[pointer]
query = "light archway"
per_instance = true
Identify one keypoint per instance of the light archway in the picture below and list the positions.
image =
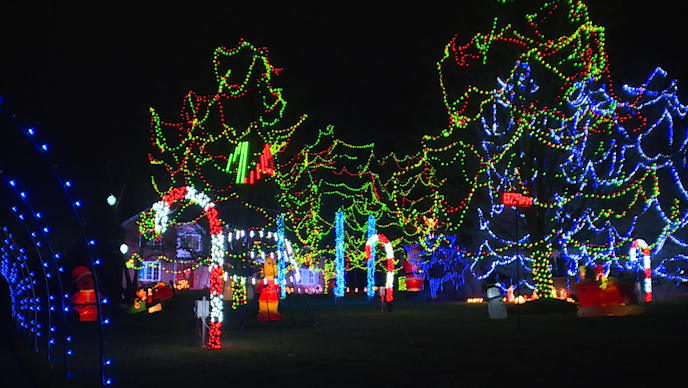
(217, 250)
(389, 283)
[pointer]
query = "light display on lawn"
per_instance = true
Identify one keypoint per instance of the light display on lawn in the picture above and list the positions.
(40, 286)
(161, 221)
(221, 149)
(641, 245)
(546, 129)
(340, 265)
(389, 282)
(238, 291)
(553, 129)
(370, 271)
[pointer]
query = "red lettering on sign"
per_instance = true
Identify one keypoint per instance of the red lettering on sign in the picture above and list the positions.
(517, 199)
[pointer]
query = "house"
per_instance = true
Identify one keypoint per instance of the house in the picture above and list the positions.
(179, 257)
(309, 281)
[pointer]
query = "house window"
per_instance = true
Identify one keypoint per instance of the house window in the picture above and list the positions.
(309, 277)
(190, 242)
(150, 271)
(149, 243)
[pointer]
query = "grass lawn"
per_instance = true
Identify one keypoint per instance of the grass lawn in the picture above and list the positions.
(419, 344)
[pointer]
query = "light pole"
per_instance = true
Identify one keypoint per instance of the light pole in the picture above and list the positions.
(517, 200)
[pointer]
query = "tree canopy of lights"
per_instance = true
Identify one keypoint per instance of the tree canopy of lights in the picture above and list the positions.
(233, 146)
(540, 118)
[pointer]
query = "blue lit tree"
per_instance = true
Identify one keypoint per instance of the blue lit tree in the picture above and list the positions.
(550, 127)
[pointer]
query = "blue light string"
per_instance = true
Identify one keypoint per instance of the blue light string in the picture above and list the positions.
(610, 168)
(21, 282)
(49, 267)
(370, 291)
(282, 259)
(340, 268)
(74, 204)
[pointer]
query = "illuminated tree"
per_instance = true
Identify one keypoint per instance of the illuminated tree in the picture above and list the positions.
(230, 139)
(548, 125)
(233, 146)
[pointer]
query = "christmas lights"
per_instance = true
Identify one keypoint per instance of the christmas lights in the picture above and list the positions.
(555, 130)
(550, 128)
(238, 291)
(217, 249)
(389, 282)
(370, 273)
(339, 260)
(33, 271)
(303, 177)
(640, 244)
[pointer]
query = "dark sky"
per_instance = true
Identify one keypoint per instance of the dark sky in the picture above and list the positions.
(85, 76)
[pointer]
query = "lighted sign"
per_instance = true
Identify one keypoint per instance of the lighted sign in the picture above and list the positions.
(517, 199)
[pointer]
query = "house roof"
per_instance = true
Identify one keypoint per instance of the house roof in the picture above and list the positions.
(132, 218)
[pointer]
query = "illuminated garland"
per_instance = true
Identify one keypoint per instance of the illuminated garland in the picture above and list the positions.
(238, 291)
(402, 283)
(136, 258)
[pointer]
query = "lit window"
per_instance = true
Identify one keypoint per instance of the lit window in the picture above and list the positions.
(309, 277)
(150, 271)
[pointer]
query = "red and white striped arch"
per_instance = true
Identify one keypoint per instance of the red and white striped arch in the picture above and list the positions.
(389, 284)
(217, 253)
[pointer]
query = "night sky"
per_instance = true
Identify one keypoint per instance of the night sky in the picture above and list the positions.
(85, 76)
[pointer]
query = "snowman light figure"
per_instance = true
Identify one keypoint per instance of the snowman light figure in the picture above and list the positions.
(495, 304)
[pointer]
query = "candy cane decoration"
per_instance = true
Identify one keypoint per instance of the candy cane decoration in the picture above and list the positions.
(217, 253)
(647, 284)
(389, 284)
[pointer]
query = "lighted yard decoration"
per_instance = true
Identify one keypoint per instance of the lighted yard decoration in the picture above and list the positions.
(160, 216)
(269, 290)
(32, 262)
(257, 246)
(600, 296)
(413, 278)
(549, 125)
(151, 298)
(641, 245)
(495, 305)
(84, 301)
(339, 255)
(389, 279)
(444, 252)
(258, 243)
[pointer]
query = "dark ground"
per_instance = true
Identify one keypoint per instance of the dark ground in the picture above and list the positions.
(419, 344)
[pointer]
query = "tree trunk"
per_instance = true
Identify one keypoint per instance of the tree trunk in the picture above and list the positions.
(542, 274)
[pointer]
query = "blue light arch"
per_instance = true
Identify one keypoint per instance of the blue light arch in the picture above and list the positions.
(30, 261)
